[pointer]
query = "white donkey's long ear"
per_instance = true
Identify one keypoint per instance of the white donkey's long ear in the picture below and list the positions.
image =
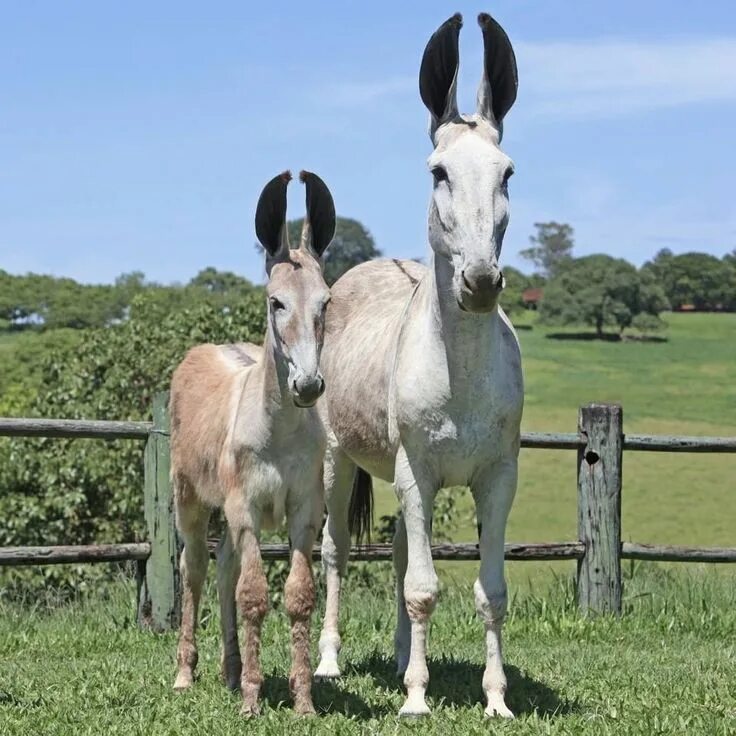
(438, 73)
(319, 224)
(271, 220)
(500, 80)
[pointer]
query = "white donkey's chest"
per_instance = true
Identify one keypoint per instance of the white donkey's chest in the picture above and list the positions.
(457, 417)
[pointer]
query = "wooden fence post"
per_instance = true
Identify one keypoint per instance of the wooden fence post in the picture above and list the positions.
(158, 598)
(599, 508)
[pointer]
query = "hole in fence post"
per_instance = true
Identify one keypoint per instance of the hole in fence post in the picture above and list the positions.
(591, 457)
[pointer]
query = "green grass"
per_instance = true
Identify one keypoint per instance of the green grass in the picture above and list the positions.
(666, 667)
(686, 385)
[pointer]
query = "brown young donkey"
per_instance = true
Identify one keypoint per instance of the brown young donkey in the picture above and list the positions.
(246, 438)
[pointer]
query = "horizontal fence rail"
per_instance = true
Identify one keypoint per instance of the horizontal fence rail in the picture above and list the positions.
(75, 428)
(15, 556)
(121, 430)
(599, 444)
(454, 552)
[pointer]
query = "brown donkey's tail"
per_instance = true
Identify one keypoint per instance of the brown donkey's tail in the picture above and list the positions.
(360, 514)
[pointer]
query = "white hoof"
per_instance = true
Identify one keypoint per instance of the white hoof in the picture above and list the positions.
(497, 708)
(327, 670)
(415, 706)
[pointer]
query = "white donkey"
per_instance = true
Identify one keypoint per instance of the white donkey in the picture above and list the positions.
(245, 438)
(423, 371)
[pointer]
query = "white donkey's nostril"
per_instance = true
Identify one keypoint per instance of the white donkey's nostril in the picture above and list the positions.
(466, 283)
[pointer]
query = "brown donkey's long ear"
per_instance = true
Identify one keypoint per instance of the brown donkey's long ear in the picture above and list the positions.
(319, 224)
(271, 219)
(438, 73)
(497, 91)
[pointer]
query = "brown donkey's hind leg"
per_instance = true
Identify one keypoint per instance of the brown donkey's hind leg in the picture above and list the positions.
(228, 567)
(192, 518)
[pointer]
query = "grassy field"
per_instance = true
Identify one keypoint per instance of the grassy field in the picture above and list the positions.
(667, 667)
(686, 385)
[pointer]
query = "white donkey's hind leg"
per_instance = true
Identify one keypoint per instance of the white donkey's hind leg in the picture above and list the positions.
(493, 493)
(402, 637)
(339, 471)
(228, 569)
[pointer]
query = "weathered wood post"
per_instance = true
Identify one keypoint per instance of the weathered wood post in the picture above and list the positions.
(159, 600)
(599, 508)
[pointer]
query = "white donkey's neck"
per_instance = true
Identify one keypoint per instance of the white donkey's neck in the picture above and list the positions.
(469, 339)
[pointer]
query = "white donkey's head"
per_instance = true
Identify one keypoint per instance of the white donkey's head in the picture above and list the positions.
(297, 292)
(469, 210)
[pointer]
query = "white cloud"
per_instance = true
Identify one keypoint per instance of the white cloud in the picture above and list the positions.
(603, 79)
(593, 78)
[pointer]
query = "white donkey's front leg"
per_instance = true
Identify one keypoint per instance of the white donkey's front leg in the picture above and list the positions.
(416, 490)
(494, 492)
(338, 480)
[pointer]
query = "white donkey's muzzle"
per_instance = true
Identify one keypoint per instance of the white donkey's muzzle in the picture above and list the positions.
(479, 288)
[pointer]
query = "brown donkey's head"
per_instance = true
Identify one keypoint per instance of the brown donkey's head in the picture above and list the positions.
(297, 292)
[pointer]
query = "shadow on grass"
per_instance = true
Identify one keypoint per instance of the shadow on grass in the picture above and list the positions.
(584, 336)
(458, 683)
(605, 337)
(328, 697)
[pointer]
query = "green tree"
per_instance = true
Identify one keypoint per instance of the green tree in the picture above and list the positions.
(601, 291)
(551, 247)
(699, 279)
(516, 283)
(220, 282)
(352, 244)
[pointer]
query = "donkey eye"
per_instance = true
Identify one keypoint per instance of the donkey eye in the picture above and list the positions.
(277, 304)
(440, 174)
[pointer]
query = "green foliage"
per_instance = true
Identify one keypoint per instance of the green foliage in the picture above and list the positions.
(352, 244)
(516, 283)
(551, 247)
(76, 492)
(601, 291)
(22, 355)
(699, 279)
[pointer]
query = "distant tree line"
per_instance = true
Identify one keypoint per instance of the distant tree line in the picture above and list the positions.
(38, 301)
(610, 293)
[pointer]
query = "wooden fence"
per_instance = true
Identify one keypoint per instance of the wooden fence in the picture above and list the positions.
(599, 443)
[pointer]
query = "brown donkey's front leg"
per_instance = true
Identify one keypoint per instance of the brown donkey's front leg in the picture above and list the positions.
(299, 599)
(252, 598)
(192, 519)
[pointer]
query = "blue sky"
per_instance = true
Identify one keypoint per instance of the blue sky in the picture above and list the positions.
(137, 136)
